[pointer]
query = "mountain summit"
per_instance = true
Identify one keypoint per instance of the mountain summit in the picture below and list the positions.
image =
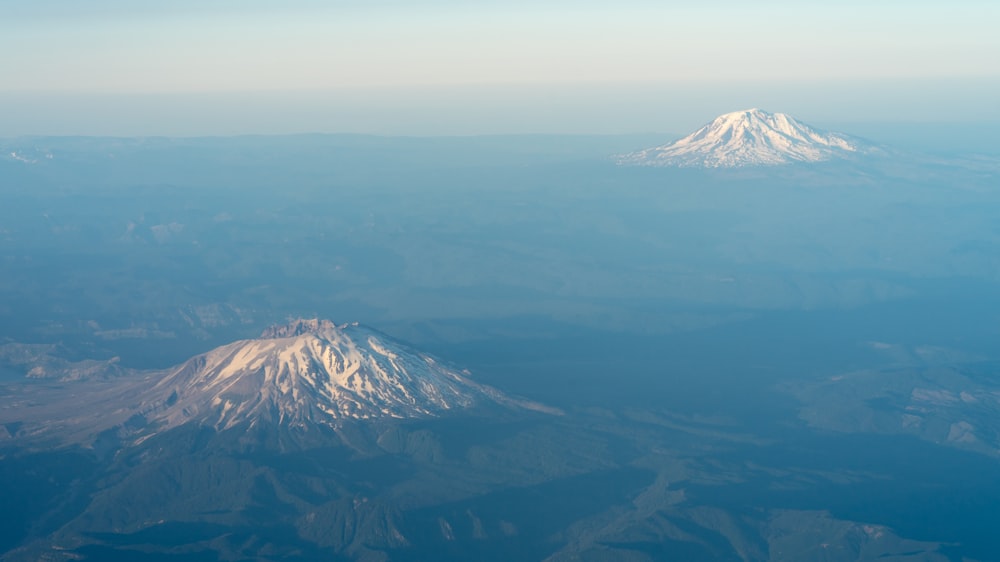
(312, 371)
(749, 138)
(305, 373)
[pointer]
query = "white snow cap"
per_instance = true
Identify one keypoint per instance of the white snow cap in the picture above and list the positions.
(313, 371)
(750, 137)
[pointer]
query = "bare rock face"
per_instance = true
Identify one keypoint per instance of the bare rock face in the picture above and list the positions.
(299, 327)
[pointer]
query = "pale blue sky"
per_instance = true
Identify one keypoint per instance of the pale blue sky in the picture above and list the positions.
(110, 66)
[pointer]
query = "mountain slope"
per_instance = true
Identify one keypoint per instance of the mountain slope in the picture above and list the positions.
(307, 373)
(750, 138)
(311, 371)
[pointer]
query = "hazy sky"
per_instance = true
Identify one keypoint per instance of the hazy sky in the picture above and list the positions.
(482, 66)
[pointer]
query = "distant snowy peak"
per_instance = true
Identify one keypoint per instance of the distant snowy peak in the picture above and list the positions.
(312, 372)
(24, 154)
(750, 138)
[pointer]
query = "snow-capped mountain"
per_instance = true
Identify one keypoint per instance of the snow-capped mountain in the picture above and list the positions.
(750, 138)
(311, 371)
(25, 154)
(306, 373)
